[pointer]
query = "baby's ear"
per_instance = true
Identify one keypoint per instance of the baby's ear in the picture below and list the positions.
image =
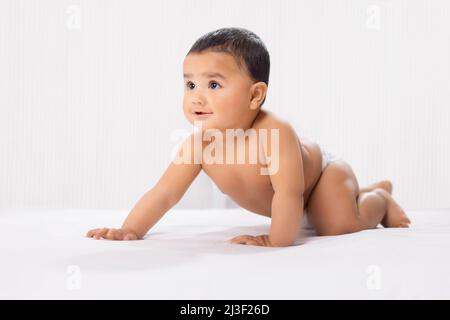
(258, 93)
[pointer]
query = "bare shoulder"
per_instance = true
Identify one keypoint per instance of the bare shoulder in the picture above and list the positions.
(285, 154)
(268, 120)
(281, 138)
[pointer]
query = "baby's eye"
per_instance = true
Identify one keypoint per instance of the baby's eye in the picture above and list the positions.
(190, 85)
(214, 85)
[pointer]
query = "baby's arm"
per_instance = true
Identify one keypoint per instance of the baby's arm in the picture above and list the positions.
(287, 202)
(288, 185)
(156, 202)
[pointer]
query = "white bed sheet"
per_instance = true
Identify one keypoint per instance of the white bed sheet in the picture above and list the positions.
(186, 256)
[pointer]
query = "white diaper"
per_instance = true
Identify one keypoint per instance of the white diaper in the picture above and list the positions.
(327, 157)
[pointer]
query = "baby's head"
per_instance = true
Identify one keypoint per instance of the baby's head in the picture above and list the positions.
(226, 74)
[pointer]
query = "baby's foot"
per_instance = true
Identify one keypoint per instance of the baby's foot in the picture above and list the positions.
(395, 216)
(386, 185)
(383, 184)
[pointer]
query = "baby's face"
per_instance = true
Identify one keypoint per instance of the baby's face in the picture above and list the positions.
(216, 91)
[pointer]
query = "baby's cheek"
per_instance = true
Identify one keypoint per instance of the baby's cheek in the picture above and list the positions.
(188, 116)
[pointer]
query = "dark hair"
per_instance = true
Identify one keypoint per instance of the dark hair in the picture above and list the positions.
(243, 45)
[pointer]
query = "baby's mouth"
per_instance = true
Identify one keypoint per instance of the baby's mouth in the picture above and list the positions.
(200, 113)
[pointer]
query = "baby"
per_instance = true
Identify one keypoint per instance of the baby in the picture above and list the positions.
(226, 76)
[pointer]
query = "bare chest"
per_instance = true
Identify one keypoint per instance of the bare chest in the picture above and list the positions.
(247, 182)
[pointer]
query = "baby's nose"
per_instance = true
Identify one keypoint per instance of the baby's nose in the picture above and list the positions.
(198, 100)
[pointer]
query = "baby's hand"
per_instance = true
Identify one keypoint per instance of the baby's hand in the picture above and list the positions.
(261, 240)
(112, 234)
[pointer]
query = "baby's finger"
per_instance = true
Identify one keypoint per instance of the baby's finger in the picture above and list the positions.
(91, 233)
(130, 236)
(252, 242)
(95, 234)
(113, 234)
(238, 238)
(241, 239)
(102, 233)
(118, 235)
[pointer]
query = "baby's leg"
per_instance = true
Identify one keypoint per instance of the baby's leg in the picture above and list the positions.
(338, 206)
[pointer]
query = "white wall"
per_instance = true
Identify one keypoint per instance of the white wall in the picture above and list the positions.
(91, 91)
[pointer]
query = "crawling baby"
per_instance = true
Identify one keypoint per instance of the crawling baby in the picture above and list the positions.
(254, 157)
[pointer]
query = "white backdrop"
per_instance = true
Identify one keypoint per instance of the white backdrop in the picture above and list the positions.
(91, 92)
